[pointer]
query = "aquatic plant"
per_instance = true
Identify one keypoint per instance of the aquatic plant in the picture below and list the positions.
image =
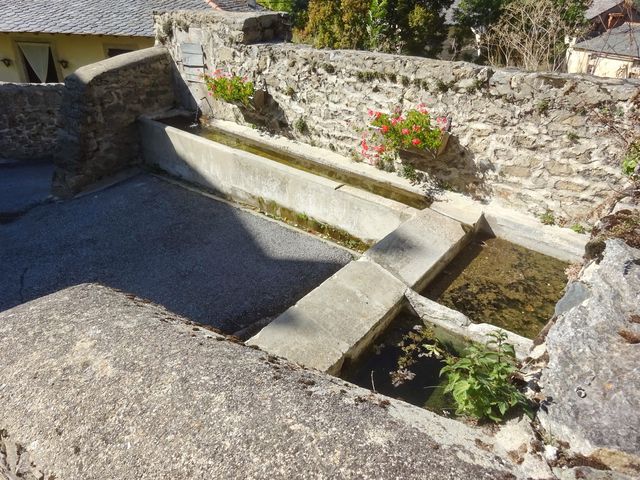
(481, 380)
(419, 342)
(229, 88)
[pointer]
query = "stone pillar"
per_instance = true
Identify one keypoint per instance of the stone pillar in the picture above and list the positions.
(97, 133)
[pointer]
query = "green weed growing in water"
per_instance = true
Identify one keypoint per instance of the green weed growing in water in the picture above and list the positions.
(481, 380)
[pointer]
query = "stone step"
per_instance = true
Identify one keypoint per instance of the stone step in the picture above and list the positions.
(421, 247)
(337, 320)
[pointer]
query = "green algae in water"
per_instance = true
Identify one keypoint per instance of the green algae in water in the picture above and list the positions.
(372, 370)
(494, 281)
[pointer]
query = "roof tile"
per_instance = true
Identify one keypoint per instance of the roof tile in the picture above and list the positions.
(96, 17)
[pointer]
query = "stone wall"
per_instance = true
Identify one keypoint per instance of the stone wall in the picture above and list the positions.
(28, 119)
(535, 141)
(98, 134)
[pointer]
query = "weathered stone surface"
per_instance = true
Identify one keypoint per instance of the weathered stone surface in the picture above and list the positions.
(337, 320)
(592, 376)
(97, 384)
(98, 135)
(421, 247)
(523, 138)
(588, 473)
(28, 119)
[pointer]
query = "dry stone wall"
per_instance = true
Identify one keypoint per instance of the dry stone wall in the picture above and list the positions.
(535, 141)
(98, 134)
(28, 116)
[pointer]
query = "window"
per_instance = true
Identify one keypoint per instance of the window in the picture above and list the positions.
(112, 52)
(38, 62)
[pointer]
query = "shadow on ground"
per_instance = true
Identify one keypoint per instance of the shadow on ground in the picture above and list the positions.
(198, 257)
(22, 186)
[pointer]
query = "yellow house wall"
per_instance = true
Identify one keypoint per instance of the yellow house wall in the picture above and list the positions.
(611, 67)
(578, 62)
(78, 50)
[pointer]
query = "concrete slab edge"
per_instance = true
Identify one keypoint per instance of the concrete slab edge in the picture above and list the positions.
(336, 321)
(519, 228)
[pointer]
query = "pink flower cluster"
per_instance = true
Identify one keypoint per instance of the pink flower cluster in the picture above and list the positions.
(390, 132)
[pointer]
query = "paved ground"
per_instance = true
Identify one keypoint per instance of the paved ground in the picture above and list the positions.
(200, 258)
(22, 186)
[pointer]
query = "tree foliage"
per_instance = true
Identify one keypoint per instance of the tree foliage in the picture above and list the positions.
(407, 26)
(296, 8)
(477, 13)
(421, 24)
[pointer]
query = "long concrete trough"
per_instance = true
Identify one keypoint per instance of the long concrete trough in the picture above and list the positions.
(250, 179)
(335, 322)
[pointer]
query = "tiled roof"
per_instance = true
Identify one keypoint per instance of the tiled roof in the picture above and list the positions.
(598, 7)
(97, 17)
(623, 40)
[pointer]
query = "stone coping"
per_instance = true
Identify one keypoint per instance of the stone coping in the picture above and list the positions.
(97, 383)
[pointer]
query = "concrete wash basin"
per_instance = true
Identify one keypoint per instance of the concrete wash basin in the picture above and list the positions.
(339, 319)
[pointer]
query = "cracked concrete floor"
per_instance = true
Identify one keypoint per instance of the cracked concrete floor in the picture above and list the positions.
(201, 258)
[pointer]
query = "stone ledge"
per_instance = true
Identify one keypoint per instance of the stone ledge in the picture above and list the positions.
(337, 320)
(100, 384)
(421, 247)
(251, 179)
(457, 330)
(90, 72)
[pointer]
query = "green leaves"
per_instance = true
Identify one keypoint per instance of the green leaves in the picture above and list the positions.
(229, 88)
(631, 160)
(480, 381)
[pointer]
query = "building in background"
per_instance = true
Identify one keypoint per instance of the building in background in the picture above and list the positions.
(43, 41)
(615, 53)
(607, 14)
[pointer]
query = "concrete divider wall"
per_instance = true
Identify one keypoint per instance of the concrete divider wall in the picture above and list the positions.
(533, 140)
(101, 103)
(28, 117)
(248, 178)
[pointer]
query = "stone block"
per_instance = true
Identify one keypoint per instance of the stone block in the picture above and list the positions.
(421, 247)
(592, 373)
(337, 320)
(257, 181)
(97, 383)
